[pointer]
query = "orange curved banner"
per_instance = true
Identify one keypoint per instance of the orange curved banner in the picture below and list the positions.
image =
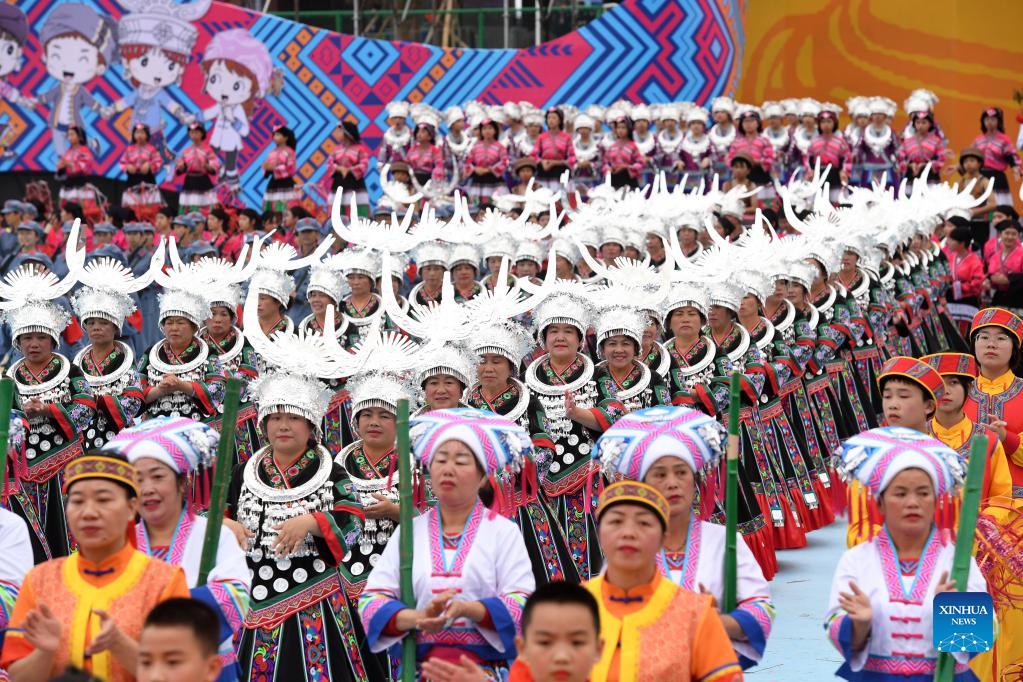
(969, 53)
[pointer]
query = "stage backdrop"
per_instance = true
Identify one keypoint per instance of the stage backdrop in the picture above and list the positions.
(967, 53)
(309, 79)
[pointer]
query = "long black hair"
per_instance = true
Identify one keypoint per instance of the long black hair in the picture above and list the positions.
(289, 136)
(997, 113)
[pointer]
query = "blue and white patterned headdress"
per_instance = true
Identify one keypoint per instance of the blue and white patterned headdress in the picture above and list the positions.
(180, 443)
(636, 441)
(502, 447)
(876, 456)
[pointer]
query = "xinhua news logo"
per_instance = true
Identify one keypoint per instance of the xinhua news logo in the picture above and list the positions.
(963, 622)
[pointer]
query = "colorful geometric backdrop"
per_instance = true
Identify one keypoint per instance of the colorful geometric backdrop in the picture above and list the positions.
(642, 50)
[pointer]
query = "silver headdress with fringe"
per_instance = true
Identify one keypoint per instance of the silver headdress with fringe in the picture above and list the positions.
(296, 362)
(275, 261)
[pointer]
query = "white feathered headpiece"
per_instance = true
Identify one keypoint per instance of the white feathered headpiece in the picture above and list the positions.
(28, 294)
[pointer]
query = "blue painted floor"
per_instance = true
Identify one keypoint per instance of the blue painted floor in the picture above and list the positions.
(798, 649)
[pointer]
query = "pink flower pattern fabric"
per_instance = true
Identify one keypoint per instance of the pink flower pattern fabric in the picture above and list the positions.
(284, 163)
(915, 150)
(832, 150)
(756, 147)
(482, 154)
(197, 158)
(999, 151)
(556, 147)
(352, 156)
(136, 156)
(623, 153)
(79, 161)
(428, 159)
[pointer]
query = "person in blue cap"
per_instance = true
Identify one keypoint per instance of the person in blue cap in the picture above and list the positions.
(30, 235)
(181, 229)
(140, 253)
(198, 249)
(13, 213)
(103, 235)
(307, 238)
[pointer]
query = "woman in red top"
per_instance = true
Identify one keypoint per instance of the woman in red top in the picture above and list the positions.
(622, 158)
(485, 163)
(996, 397)
(1006, 261)
(554, 151)
(141, 162)
(831, 149)
(347, 165)
(754, 145)
(999, 152)
(280, 168)
(424, 156)
(197, 163)
(922, 147)
(77, 164)
(967, 269)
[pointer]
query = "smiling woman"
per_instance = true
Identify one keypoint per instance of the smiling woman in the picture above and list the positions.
(880, 611)
(57, 620)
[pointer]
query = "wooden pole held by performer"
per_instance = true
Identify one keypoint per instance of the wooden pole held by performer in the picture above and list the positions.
(731, 497)
(221, 479)
(6, 402)
(408, 645)
(968, 512)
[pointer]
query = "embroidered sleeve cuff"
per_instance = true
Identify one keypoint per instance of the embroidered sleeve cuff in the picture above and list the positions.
(63, 420)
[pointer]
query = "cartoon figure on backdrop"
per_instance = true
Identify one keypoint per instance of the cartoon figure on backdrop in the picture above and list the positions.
(237, 71)
(13, 34)
(78, 45)
(156, 39)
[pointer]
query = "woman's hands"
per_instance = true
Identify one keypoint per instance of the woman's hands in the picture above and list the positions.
(439, 613)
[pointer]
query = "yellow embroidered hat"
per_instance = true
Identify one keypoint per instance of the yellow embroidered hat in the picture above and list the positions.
(634, 492)
(98, 466)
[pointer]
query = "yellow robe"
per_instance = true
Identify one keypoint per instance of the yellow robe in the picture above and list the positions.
(659, 632)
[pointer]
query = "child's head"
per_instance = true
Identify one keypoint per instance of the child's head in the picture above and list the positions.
(237, 69)
(78, 44)
(910, 392)
(560, 633)
(179, 643)
(153, 66)
(13, 34)
(740, 167)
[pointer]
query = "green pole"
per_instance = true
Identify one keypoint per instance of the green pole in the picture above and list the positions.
(408, 596)
(221, 479)
(730, 598)
(968, 512)
(6, 402)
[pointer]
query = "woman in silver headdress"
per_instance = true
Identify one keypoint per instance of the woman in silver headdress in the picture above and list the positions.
(52, 394)
(296, 513)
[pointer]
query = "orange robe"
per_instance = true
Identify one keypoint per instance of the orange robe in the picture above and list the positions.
(127, 585)
(659, 631)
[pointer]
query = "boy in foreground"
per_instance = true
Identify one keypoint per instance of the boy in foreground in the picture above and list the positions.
(179, 643)
(560, 640)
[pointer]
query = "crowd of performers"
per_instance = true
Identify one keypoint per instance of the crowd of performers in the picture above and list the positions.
(568, 367)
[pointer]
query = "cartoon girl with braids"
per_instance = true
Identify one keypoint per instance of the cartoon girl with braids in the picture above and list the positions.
(237, 71)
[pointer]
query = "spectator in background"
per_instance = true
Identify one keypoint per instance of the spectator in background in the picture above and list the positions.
(1005, 264)
(1001, 212)
(998, 152)
(13, 213)
(76, 165)
(966, 266)
(29, 234)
